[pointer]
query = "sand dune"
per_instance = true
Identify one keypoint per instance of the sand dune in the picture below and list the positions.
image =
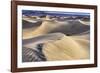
(48, 26)
(44, 28)
(72, 28)
(61, 48)
(61, 40)
(84, 22)
(28, 24)
(66, 49)
(42, 39)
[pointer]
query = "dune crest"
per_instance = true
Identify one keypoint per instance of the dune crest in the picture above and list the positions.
(84, 22)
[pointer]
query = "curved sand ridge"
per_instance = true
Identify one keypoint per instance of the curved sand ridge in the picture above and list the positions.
(42, 39)
(84, 22)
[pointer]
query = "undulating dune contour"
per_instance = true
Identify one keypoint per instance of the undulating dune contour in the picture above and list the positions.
(61, 40)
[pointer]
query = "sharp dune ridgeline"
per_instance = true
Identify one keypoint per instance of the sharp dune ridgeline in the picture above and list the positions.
(60, 40)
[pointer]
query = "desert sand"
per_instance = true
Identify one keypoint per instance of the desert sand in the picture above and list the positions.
(62, 40)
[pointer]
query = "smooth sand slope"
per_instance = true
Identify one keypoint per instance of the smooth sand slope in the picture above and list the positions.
(66, 49)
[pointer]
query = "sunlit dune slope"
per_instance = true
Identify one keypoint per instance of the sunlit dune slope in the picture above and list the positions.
(67, 48)
(84, 22)
(61, 47)
(44, 28)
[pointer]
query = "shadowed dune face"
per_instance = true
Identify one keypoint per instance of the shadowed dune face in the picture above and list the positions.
(30, 25)
(72, 27)
(30, 55)
(53, 36)
(65, 39)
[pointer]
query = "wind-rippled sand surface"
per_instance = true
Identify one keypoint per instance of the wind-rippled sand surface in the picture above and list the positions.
(61, 40)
